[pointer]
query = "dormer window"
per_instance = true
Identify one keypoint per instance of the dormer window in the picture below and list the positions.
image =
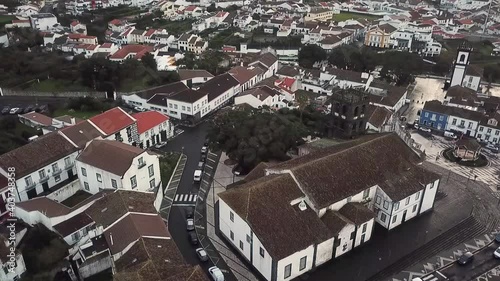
(492, 122)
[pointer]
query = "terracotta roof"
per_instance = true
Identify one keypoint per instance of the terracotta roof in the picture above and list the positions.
(242, 74)
(186, 74)
(470, 144)
(356, 213)
(337, 172)
(81, 133)
(38, 118)
(188, 96)
(387, 28)
(112, 121)
(112, 206)
(437, 107)
(41, 152)
(73, 224)
(342, 74)
(218, 85)
(111, 156)
(265, 204)
(107, 45)
(132, 227)
(131, 50)
(149, 119)
(378, 115)
(45, 206)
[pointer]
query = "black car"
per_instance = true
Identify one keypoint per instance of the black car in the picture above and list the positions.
(5, 110)
(189, 213)
(193, 239)
(465, 258)
(29, 108)
(203, 158)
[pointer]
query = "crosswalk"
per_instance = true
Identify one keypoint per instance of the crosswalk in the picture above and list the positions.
(185, 199)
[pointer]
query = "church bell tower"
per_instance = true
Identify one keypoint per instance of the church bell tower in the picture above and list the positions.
(460, 64)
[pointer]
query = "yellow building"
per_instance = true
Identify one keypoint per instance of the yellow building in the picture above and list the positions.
(380, 36)
(320, 14)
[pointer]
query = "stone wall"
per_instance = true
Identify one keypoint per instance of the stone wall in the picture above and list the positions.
(10, 92)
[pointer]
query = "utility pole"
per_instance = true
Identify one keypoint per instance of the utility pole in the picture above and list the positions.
(487, 17)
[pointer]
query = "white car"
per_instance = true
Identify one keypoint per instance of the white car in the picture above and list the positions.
(204, 150)
(425, 129)
(197, 175)
(216, 273)
(161, 144)
(497, 253)
(190, 224)
(492, 148)
(14, 110)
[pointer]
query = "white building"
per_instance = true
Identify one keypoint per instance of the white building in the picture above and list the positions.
(328, 215)
(116, 124)
(489, 129)
(153, 127)
(106, 164)
(12, 267)
(188, 105)
(220, 90)
(41, 165)
(43, 21)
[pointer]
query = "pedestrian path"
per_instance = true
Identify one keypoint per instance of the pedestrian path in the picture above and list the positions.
(185, 199)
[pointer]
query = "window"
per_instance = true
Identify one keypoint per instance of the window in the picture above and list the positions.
(141, 161)
(470, 125)
(55, 167)
(41, 174)
(366, 194)
(98, 176)
(489, 131)
(133, 182)
(147, 134)
(113, 183)
(66, 162)
(241, 245)
(417, 195)
(57, 178)
(151, 170)
(288, 270)
(386, 204)
(175, 106)
(86, 186)
(75, 236)
(479, 136)
(383, 217)
(407, 201)
(481, 129)
(497, 133)
(462, 123)
(433, 117)
(364, 227)
(394, 219)
(249, 240)
(170, 105)
(303, 262)
(184, 108)
(414, 208)
(231, 234)
(231, 216)
(377, 200)
(84, 172)
(396, 206)
(28, 180)
(441, 118)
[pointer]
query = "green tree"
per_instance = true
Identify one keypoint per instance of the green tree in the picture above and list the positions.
(310, 54)
(211, 8)
(338, 58)
(148, 60)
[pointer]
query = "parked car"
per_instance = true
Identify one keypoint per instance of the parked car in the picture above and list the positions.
(5, 110)
(204, 150)
(140, 109)
(492, 148)
(161, 144)
(216, 273)
(201, 165)
(197, 175)
(425, 129)
(497, 237)
(465, 258)
(497, 253)
(193, 239)
(203, 158)
(190, 213)
(206, 142)
(29, 108)
(190, 224)
(14, 110)
(416, 126)
(43, 108)
(451, 135)
(202, 254)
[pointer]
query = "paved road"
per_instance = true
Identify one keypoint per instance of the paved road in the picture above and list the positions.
(483, 262)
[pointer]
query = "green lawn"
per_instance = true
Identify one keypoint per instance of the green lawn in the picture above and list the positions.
(51, 85)
(74, 113)
(16, 136)
(167, 166)
(343, 16)
(5, 20)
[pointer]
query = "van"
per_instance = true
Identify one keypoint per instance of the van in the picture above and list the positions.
(448, 134)
(197, 175)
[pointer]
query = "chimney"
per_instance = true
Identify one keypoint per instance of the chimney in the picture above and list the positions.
(73, 121)
(111, 238)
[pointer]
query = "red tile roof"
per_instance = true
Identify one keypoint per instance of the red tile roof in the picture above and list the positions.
(107, 45)
(190, 8)
(75, 23)
(112, 120)
(45, 206)
(137, 50)
(38, 118)
(149, 119)
(287, 82)
(115, 22)
(149, 32)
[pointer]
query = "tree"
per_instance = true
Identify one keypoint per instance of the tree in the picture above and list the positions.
(211, 8)
(256, 16)
(148, 60)
(310, 54)
(338, 58)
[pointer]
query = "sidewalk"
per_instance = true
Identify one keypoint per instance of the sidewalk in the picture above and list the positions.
(223, 177)
(171, 188)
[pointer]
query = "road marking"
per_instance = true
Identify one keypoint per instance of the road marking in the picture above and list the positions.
(183, 205)
(176, 197)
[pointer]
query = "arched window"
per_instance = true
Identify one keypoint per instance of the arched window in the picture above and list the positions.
(363, 109)
(344, 109)
(462, 58)
(356, 111)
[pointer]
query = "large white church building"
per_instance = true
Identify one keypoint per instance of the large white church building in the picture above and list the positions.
(462, 74)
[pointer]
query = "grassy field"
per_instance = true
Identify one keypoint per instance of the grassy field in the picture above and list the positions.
(167, 166)
(51, 85)
(481, 53)
(74, 113)
(5, 20)
(13, 136)
(343, 16)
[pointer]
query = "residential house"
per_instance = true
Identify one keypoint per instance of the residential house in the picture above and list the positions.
(268, 62)
(131, 52)
(328, 215)
(462, 97)
(388, 96)
(320, 14)
(192, 43)
(191, 77)
(78, 27)
(41, 166)
(379, 119)
(117, 25)
(441, 117)
(188, 105)
(489, 128)
(78, 38)
(106, 164)
(380, 36)
(247, 76)
(220, 90)
(43, 21)
(153, 127)
(261, 96)
(116, 124)
(155, 98)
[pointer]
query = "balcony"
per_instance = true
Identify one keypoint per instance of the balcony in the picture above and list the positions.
(30, 186)
(56, 171)
(44, 179)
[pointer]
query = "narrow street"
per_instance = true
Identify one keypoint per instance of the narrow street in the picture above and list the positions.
(483, 261)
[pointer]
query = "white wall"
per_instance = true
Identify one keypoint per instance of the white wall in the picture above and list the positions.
(142, 174)
(379, 200)
(263, 264)
(324, 251)
(294, 260)
(407, 207)
(345, 241)
(239, 228)
(494, 135)
(16, 273)
(472, 128)
(367, 232)
(91, 178)
(429, 196)
(67, 191)
(176, 108)
(148, 135)
(248, 99)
